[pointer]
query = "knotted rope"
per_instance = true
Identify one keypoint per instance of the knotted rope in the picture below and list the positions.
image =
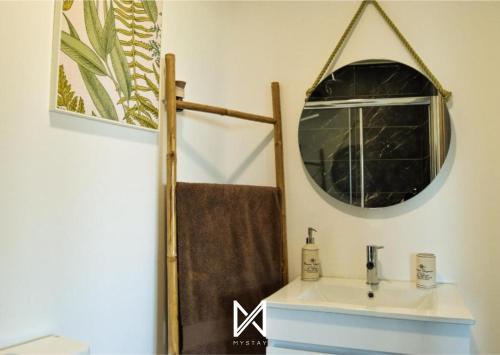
(442, 91)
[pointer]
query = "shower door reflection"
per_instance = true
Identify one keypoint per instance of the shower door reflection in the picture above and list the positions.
(373, 152)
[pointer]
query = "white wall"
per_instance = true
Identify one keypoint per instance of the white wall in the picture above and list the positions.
(78, 208)
(229, 52)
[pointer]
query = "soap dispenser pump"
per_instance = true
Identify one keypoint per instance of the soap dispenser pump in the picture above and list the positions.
(310, 258)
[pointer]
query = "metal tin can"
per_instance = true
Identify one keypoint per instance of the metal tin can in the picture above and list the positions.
(426, 270)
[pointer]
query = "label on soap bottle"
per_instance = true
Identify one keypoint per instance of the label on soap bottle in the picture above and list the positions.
(310, 264)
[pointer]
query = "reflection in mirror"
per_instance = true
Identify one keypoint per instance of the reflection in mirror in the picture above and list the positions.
(374, 133)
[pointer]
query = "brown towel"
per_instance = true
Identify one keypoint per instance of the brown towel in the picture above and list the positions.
(229, 248)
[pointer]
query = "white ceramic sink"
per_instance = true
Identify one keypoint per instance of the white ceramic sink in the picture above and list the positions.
(350, 292)
(391, 299)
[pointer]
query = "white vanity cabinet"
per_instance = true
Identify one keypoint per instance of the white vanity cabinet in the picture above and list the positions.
(337, 316)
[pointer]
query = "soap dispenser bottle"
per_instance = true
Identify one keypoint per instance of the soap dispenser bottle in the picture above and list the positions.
(310, 258)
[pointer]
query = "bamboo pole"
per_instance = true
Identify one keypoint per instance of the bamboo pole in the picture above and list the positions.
(280, 173)
(223, 111)
(172, 281)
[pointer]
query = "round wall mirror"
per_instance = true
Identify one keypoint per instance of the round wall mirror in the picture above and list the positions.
(374, 133)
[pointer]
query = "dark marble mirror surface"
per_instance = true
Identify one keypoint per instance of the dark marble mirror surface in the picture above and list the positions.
(374, 133)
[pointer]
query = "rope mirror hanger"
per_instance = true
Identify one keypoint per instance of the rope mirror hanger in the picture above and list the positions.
(442, 91)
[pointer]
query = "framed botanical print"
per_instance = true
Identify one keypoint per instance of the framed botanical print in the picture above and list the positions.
(106, 60)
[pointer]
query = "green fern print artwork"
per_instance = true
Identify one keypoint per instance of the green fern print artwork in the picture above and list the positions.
(66, 97)
(109, 60)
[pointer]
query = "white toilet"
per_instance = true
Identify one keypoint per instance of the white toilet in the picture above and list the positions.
(51, 344)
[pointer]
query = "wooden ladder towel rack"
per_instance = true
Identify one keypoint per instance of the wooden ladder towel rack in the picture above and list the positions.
(171, 107)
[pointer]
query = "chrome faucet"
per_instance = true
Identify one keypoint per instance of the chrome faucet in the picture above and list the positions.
(372, 264)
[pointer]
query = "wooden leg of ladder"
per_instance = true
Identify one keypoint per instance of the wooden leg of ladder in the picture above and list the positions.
(280, 172)
(172, 279)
